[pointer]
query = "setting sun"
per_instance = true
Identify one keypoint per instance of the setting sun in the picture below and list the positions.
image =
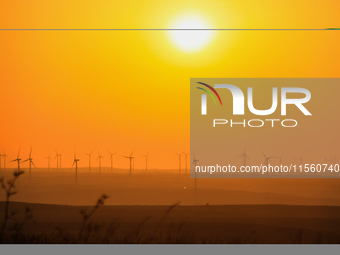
(190, 40)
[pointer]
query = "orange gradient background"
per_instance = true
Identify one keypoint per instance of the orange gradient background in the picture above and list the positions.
(120, 90)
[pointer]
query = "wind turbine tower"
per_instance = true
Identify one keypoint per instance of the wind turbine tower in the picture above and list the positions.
(244, 156)
(89, 154)
(266, 160)
(49, 161)
(130, 158)
(195, 163)
(146, 162)
(111, 158)
(186, 162)
(17, 160)
(100, 161)
(30, 159)
(75, 162)
(179, 160)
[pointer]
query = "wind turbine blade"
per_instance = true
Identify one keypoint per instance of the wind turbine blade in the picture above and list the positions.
(263, 153)
(24, 160)
(195, 160)
(247, 156)
(132, 152)
(13, 160)
(19, 151)
(33, 164)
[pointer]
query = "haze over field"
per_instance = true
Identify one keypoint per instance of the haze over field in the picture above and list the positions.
(154, 188)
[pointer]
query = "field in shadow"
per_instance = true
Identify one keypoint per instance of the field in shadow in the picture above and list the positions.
(139, 208)
(236, 224)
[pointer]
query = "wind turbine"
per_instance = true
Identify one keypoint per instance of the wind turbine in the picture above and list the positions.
(280, 158)
(4, 156)
(89, 154)
(130, 158)
(333, 160)
(100, 161)
(60, 160)
(325, 160)
(186, 162)
(179, 157)
(58, 156)
(244, 156)
(194, 162)
(133, 165)
(294, 160)
(49, 161)
(111, 158)
(30, 159)
(17, 160)
(146, 161)
(1, 155)
(75, 162)
(266, 161)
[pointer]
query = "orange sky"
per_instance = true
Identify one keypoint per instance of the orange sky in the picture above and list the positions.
(120, 90)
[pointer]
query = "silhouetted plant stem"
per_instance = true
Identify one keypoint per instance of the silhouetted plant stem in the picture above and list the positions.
(87, 216)
(9, 192)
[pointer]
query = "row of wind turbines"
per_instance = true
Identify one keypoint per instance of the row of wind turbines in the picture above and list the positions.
(58, 157)
(267, 159)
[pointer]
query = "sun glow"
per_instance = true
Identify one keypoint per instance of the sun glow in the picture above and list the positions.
(190, 40)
